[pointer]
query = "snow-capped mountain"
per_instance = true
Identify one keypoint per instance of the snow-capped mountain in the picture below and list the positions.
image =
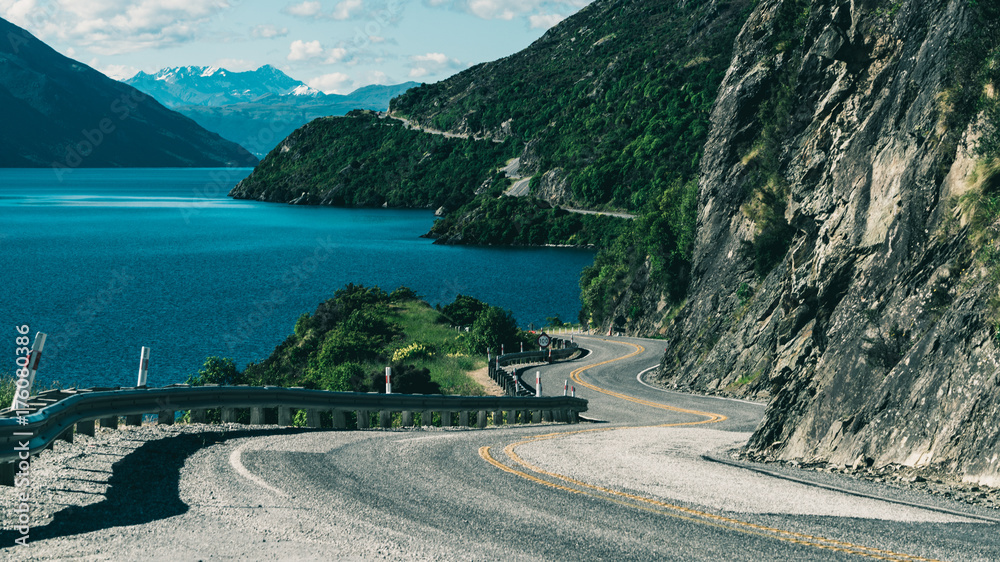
(214, 87)
(258, 108)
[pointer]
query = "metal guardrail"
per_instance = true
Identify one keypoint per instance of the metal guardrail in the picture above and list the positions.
(50, 421)
(510, 382)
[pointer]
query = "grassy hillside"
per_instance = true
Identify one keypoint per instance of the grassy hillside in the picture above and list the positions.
(348, 341)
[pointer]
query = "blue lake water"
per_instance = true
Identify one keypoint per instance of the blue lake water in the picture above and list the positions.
(108, 261)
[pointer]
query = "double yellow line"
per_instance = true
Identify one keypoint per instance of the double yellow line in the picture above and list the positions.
(538, 475)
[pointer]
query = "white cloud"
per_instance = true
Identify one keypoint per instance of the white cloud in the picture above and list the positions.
(304, 9)
(111, 27)
(539, 13)
(544, 21)
(268, 31)
(433, 64)
(376, 77)
(437, 58)
(334, 83)
(118, 71)
(303, 50)
(346, 9)
(335, 55)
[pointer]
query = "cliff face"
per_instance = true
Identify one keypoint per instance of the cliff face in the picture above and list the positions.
(872, 330)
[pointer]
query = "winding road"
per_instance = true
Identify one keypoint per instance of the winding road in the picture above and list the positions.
(634, 485)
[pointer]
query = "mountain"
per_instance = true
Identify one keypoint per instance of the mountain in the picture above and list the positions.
(256, 108)
(817, 191)
(215, 87)
(61, 113)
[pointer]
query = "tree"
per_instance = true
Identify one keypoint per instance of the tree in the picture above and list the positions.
(493, 328)
(465, 310)
(216, 370)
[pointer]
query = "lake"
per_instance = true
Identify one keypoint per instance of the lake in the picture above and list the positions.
(107, 261)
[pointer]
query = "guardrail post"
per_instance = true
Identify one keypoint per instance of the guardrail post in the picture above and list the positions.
(339, 419)
(363, 421)
(198, 416)
(511, 417)
(571, 416)
(284, 416)
(463, 418)
(385, 418)
(407, 419)
(536, 416)
(256, 416)
(498, 417)
(67, 435)
(481, 419)
(312, 418)
(228, 415)
(85, 427)
(547, 415)
(446, 419)
(427, 418)
(165, 417)
(133, 420)
(110, 422)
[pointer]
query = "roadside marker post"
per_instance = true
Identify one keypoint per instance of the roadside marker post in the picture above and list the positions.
(566, 387)
(538, 384)
(573, 391)
(34, 358)
(143, 366)
(388, 380)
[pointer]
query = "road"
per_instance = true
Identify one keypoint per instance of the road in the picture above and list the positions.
(631, 486)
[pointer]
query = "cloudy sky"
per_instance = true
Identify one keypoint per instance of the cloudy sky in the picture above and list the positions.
(333, 45)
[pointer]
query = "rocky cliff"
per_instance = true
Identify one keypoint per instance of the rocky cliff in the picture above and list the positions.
(846, 261)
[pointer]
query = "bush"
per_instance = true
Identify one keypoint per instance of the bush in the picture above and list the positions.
(493, 328)
(217, 370)
(465, 310)
(406, 379)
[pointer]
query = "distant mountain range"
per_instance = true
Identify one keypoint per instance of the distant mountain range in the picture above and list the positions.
(257, 108)
(57, 112)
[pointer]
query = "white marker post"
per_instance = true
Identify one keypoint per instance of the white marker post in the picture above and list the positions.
(22, 390)
(566, 387)
(573, 391)
(143, 366)
(538, 384)
(35, 357)
(388, 380)
(522, 347)
(501, 349)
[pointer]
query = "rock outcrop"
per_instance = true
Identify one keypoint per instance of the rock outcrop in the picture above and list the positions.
(872, 337)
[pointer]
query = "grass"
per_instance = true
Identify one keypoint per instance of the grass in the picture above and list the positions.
(449, 366)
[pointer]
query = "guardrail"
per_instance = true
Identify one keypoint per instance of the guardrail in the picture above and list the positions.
(510, 381)
(53, 415)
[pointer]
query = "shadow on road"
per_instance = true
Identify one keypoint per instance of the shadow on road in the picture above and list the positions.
(143, 487)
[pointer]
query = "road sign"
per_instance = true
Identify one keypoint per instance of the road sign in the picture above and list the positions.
(544, 340)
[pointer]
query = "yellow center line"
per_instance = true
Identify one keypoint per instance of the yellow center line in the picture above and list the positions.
(660, 507)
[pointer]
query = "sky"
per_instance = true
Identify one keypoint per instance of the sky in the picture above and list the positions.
(335, 46)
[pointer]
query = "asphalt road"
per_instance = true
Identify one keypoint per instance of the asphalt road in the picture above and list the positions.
(632, 486)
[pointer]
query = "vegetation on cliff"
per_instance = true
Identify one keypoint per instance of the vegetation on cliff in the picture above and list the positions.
(362, 160)
(616, 97)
